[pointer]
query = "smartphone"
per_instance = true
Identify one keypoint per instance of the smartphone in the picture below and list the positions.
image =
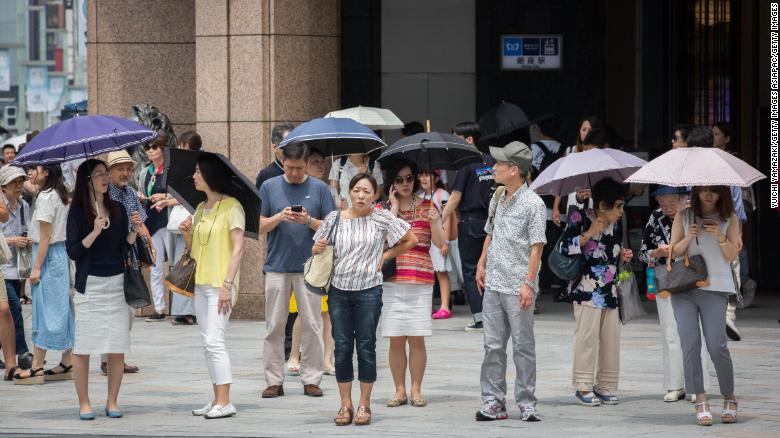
(297, 208)
(709, 222)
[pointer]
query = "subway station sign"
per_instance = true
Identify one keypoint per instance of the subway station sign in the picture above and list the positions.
(531, 52)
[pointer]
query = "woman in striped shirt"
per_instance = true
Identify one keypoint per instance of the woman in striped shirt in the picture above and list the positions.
(407, 292)
(355, 295)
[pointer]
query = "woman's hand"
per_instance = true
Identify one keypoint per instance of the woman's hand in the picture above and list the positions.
(661, 251)
(444, 250)
(627, 255)
(17, 241)
(714, 230)
(35, 275)
(556, 218)
(433, 214)
(186, 225)
(99, 225)
(225, 300)
(157, 197)
(319, 246)
(393, 198)
(596, 227)
(693, 232)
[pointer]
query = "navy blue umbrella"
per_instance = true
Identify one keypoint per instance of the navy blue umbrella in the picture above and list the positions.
(82, 137)
(335, 136)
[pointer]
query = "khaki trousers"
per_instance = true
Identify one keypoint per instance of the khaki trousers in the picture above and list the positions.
(596, 348)
(278, 287)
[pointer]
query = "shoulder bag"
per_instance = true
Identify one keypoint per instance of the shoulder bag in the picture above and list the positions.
(563, 266)
(136, 291)
(318, 269)
(24, 255)
(181, 278)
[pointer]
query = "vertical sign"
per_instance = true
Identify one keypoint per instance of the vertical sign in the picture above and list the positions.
(37, 82)
(5, 70)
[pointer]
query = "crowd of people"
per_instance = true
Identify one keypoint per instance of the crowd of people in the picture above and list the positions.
(400, 236)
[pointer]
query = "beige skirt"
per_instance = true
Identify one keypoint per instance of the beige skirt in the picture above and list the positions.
(102, 317)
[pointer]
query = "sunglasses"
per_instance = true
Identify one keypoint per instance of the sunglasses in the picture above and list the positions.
(403, 179)
(151, 146)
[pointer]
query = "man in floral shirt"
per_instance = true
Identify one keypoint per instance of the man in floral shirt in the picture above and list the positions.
(508, 276)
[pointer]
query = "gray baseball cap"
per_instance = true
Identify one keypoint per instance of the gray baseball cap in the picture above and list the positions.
(516, 153)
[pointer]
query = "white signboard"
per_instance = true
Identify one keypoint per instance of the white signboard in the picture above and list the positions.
(531, 52)
(37, 89)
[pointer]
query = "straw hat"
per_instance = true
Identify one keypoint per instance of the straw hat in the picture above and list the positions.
(118, 157)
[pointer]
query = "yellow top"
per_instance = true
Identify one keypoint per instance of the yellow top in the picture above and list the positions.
(211, 242)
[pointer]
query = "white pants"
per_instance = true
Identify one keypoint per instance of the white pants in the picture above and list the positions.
(672, 349)
(159, 240)
(212, 326)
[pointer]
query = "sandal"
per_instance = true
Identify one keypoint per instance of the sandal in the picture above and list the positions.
(24, 299)
(293, 369)
(703, 418)
(419, 402)
(395, 402)
(50, 375)
(729, 416)
(363, 416)
(32, 379)
(11, 373)
(344, 417)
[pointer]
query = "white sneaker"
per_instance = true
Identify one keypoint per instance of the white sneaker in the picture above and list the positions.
(221, 411)
(202, 411)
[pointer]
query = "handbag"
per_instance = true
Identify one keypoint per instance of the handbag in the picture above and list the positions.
(5, 251)
(136, 291)
(318, 269)
(181, 278)
(24, 255)
(681, 275)
(564, 266)
(629, 303)
(176, 216)
(147, 255)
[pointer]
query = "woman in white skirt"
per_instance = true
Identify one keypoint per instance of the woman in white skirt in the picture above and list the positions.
(433, 189)
(97, 232)
(406, 296)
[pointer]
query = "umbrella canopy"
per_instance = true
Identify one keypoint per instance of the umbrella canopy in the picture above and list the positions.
(374, 118)
(697, 167)
(500, 124)
(335, 136)
(81, 137)
(583, 169)
(179, 168)
(432, 150)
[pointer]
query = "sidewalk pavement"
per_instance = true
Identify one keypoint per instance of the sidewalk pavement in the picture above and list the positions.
(173, 380)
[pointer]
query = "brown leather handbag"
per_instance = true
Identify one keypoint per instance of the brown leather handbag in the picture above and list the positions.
(682, 275)
(181, 278)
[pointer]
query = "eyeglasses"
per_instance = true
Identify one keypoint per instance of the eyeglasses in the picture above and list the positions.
(150, 146)
(404, 179)
(99, 175)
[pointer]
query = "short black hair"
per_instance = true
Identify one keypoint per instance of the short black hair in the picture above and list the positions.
(411, 128)
(607, 191)
(214, 171)
(361, 176)
(313, 151)
(724, 126)
(8, 145)
(700, 136)
(192, 139)
(549, 125)
(684, 129)
(296, 150)
(277, 133)
(468, 129)
(395, 168)
(596, 137)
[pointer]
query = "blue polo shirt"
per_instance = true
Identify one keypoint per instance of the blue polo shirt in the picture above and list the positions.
(289, 244)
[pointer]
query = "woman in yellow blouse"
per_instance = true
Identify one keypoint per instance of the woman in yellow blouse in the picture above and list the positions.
(215, 235)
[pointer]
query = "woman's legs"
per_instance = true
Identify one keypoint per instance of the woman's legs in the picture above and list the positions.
(39, 356)
(157, 274)
(712, 307)
(608, 366)
(81, 380)
(212, 326)
(295, 351)
(418, 358)
(586, 346)
(444, 290)
(7, 334)
(397, 359)
(327, 336)
(116, 370)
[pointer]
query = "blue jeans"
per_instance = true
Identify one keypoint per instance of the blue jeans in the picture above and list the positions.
(354, 316)
(14, 288)
(471, 237)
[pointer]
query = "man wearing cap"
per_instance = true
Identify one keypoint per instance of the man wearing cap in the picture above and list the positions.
(508, 277)
(120, 170)
(15, 230)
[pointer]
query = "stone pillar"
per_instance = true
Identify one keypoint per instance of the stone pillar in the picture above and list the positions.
(142, 51)
(259, 63)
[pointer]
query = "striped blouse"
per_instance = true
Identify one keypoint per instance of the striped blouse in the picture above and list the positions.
(415, 266)
(360, 243)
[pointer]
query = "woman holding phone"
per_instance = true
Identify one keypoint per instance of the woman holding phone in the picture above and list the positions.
(709, 228)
